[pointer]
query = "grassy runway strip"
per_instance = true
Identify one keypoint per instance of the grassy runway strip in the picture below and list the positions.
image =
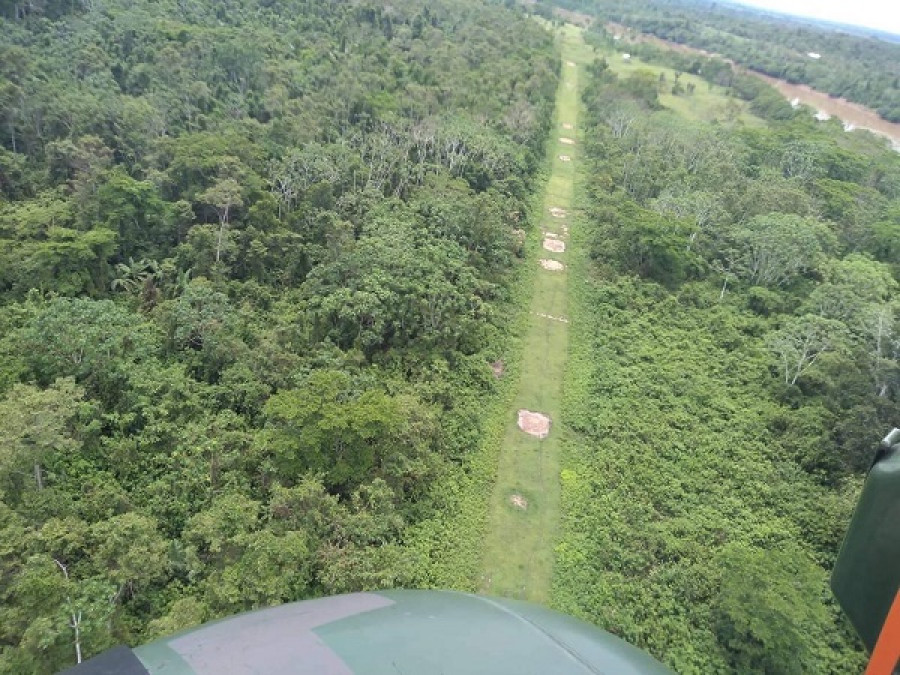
(524, 509)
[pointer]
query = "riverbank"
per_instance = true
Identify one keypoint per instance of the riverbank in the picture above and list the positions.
(853, 115)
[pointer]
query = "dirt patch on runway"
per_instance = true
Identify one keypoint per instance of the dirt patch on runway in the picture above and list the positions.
(554, 245)
(534, 423)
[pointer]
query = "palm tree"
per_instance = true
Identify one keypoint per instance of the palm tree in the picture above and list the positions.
(134, 276)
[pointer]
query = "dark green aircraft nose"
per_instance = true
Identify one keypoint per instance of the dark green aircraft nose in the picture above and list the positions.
(386, 632)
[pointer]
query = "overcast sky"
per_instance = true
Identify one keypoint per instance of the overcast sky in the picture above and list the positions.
(881, 14)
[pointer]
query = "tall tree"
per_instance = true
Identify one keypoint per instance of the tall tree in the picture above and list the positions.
(224, 195)
(35, 426)
(802, 341)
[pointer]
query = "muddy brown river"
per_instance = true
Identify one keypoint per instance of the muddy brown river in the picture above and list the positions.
(853, 115)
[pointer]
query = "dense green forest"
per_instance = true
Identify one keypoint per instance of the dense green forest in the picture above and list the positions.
(734, 361)
(859, 68)
(255, 259)
(260, 262)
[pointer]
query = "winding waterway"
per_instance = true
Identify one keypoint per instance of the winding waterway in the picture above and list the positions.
(853, 115)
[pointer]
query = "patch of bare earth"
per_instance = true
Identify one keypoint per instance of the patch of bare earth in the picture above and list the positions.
(554, 245)
(557, 212)
(567, 126)
(565, 158)
(534, 423)
(567, 141)
(561, 319)
(552, 265)
(571, 64)
(497, 367)
(519, 502)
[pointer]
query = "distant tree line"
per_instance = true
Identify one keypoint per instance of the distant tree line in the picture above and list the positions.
(859, 68)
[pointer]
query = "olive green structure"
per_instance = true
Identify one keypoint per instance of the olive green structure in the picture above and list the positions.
(397, 631)
(866, 575)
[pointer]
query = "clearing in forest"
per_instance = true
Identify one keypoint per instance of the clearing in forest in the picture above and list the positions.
(519, 543)
(553, 244)
(705, 102)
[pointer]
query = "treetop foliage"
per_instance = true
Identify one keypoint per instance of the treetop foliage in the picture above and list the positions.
(734, 363)
(254, 259)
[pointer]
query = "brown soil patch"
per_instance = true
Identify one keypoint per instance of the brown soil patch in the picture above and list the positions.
(554, 245)
(557, 212)
(561, 319)
(534, 424)
(565, 158)
(567, 126)
(497, 367)
(552, 265)
(566, 141)
(518, 501)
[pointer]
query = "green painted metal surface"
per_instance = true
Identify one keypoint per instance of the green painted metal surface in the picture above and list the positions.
(866, 575)
(398, 632)
(447, 632)
(158, 657)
